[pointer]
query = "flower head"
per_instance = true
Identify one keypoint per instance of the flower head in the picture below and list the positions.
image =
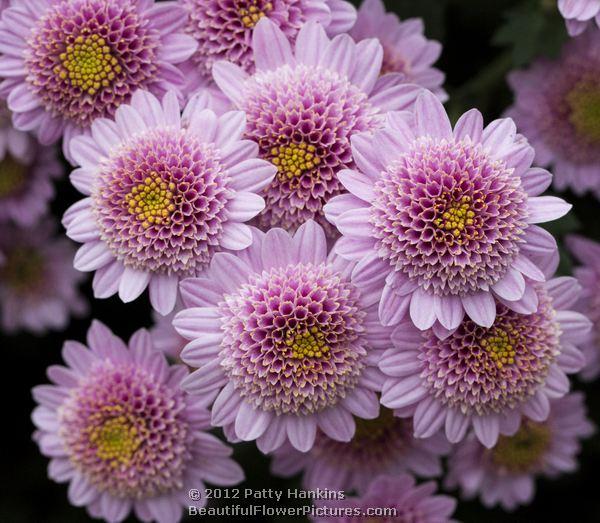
(405, 48)
(384, 445)
(441, 219)
(165, 194)
(38, 285)
(506, 474)
(282, 334)
(26, 173)
(118, 428)
(557, 106)
(303, 106)
(587, 252)
(488, 377)
(398, 499)
(72, 61)
(579, 14)
(224, 29)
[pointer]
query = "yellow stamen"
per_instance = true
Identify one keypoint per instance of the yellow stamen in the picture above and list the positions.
(308, 343)
(524, 450)
(152, 202)
(293, 160)
(500, 345)
(251, 15)
(455, 217)
(116, 440)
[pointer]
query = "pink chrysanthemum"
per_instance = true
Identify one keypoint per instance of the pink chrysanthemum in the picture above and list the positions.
(118, 428)
(557, 106)
(303, 106)
(384, 445)
(405, 48)
(505, 475)
(579, 14)
(38, 285)
(394, 500)
(282, 335)
(26, 173)
(165, 193)
(588, 253)
(223, 29)
(488, 378)
(441, 219)
(67, 62)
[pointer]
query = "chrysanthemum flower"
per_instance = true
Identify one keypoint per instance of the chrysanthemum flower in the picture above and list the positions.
(398, 498)
(303, 105)
(120, 430)
(405, 48)
(164, 194)
(557, 106)
(224, 29)
(384, 445)
(38, 284)
(579, 14)
(588, 253)
(487, 378)
(442, 218)
(26, 173)
(283, 336)
(67, 62)
(506, 474)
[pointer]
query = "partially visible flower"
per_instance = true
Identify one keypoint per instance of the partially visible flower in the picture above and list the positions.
(396, 499)
(384, 445)
(405, 48)
(165, 192)
(224, 29)
(117, 426)
(588, 253)
(165, 337)
(282, 335)
(505, 475)
(579, 14)
(557, 107)
(442, 219)
(488, 378)
(66, 63)
(303, 105)
(38, 284)
(26, 173)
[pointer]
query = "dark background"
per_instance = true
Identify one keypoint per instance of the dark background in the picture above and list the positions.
(482, 41)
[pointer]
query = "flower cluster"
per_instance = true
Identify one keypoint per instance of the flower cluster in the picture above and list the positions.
(338, 272)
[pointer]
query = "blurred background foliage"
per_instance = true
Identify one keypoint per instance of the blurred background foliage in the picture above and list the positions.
(483, 40)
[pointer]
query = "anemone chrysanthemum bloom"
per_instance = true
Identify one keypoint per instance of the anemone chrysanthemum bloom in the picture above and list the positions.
(120, 430)
(557, 107)
(26, 173)
(488, 378)
(224, 29)
(384, 445)
(280, 332)
(405, 48)
(67, 62)
(505, 475)
(395, 499)
(587, 252)
(442, 219)
(579, 14)
(39, 288)
(303, 105)
(164, 193)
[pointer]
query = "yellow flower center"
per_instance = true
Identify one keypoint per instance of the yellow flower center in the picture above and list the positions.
(371, 430)
(116, 440)
(23, 269)
(88, 64)
(12, 176)
(152, 202)
(293, 160)
(500, 346)
(524, 450)
(308, 343)
(584, 102)
(252, 14)
(455, 216)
